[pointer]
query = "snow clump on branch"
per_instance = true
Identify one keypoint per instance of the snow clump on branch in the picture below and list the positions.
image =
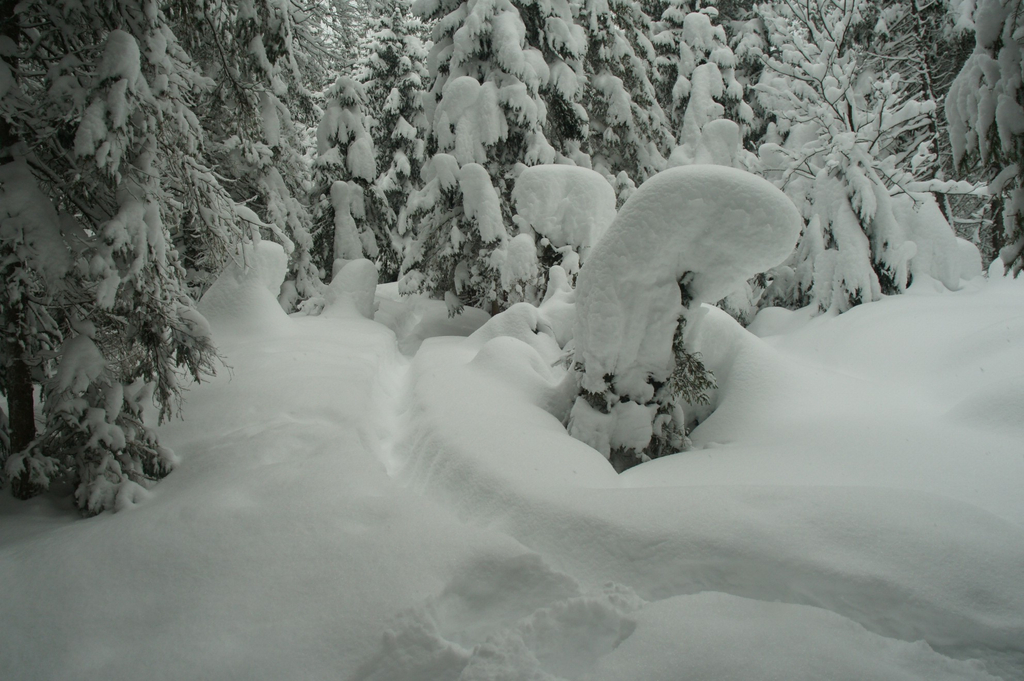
(568, 208)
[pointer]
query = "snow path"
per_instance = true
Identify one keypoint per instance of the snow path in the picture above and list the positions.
(276, 550)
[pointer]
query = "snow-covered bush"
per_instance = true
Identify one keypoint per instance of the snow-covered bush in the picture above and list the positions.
(566, 209)
(687, 236)
(836, 146)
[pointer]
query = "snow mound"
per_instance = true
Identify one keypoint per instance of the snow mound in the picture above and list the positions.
(999, 404)
(516, 618)
(716, 636)
(244, 297)
(711, 226)
(834, 513)
(353, 289)
(970, 259)
(571, 207)
(523, 322)
(503, 403)
(522, 369)
(782, 508)
(940, 254)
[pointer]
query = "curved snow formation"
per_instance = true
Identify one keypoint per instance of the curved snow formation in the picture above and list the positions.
(571, 207)
(713, 225)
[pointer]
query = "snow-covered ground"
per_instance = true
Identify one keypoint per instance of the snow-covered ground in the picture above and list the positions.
(389, 500)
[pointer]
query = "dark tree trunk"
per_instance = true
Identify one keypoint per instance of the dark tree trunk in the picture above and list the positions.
(20, 404)
(9, 28)
(20, 398)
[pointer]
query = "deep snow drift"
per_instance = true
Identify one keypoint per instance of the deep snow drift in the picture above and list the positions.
(397, 498)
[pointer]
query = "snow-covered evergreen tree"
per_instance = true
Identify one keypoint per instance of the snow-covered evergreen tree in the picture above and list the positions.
(469, 257)
(394, 73)
(34, 259)
(105, 156)
(344, 169)
(835, 144)
(629, 133)
(695, 74)
(257, 52)
(491, 44)
(986, 118)
(492, 65)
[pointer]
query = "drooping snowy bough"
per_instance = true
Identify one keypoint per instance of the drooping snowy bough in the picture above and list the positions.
(688, 235)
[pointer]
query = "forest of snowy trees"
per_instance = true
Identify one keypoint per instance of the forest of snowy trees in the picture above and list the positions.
(145, 145)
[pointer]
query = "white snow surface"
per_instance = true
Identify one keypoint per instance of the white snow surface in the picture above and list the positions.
(716, 226)
(397, 499)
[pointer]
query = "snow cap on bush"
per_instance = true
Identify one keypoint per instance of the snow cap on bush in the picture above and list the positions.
(710, 227)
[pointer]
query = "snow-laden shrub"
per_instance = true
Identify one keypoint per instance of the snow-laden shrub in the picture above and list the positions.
(687, 236)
